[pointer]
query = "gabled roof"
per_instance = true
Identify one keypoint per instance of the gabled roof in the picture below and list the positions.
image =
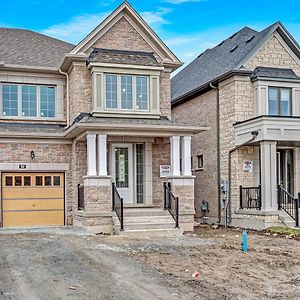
(27, 48)
(127, 11)
(229, 56)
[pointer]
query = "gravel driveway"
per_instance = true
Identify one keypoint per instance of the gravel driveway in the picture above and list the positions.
(59, 265)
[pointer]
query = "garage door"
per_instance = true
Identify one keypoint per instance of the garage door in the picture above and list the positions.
(32, 199)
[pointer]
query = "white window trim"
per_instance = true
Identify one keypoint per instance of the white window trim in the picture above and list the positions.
(119, 93)
(99, 86)
(38, 106)
(261, 95)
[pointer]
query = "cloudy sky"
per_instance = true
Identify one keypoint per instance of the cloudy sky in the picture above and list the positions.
(187, 26)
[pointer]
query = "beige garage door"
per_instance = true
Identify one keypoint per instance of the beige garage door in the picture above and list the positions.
(32, 199)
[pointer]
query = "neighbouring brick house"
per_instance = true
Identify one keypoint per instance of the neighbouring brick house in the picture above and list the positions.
(247, 90)
(83, 125)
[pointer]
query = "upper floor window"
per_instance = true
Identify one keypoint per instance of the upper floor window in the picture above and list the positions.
(25, 100)
(280, 101)
(127, 92)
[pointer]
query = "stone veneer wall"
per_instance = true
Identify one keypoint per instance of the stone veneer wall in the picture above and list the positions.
(273, 54)
(80, 86)
(160, 156)
(121, 36)
(201, 111)
(44, 153)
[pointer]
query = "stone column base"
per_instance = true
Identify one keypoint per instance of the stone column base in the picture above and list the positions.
(183, 188)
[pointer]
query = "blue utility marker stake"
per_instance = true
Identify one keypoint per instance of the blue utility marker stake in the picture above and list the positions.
(245, 242)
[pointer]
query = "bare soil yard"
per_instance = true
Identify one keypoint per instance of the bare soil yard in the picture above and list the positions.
(62, 264)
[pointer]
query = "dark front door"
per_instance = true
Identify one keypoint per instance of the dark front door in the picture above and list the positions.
(285, 169)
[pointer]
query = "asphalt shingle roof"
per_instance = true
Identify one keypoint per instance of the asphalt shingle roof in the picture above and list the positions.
(25, 47)
(123, 57)
(274, 73)
(217, 61)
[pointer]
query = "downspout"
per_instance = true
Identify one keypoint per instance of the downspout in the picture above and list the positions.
(67, 95)
(228, 205)
(218, 151)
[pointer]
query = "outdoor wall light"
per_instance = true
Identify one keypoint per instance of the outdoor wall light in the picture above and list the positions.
(32, 154)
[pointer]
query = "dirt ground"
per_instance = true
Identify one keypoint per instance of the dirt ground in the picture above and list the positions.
(63, 264)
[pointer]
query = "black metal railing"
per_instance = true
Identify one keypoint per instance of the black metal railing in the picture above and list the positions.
(118, 205)
(250, 197)
(80, 197)
(288, 203)
(171, 203)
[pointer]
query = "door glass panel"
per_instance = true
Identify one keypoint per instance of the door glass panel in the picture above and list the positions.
(47, 180)
(289, 172)
(121, 157)
(27, 181)
(56, 180)
(8, 181)
(140, 173)
(39, 180)
(18, 181)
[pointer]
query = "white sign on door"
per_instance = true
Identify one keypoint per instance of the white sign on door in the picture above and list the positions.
(165, 170)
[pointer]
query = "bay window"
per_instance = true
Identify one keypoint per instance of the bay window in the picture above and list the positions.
(127, 92)
(28, 101)
(280, 101)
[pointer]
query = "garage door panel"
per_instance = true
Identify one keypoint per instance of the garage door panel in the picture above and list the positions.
(30, 204)
(32, 199)
(32, 192)
(33, 218)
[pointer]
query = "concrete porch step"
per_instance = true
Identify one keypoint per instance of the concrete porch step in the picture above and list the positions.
(143, 226)
(147, 219)
(136, 212)
(137, 233)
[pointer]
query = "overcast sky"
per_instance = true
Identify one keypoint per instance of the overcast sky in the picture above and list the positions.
(188, 27)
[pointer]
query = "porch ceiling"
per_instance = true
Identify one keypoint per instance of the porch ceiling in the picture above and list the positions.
(132, 127)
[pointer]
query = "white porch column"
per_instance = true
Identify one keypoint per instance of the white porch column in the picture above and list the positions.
(268, 176)
(186, 155)
(102, 155)
(175, 155)
(91, 154)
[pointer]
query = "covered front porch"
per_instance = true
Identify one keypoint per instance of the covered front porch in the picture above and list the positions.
(125, 168)
(267, 179)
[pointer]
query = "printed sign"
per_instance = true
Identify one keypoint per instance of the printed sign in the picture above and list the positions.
(22, 166)
(122, 167)
(165, 170)
(248, 166)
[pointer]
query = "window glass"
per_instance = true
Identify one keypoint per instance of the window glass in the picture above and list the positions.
(29, 100)
(10, 99)
(56, 180)
(27, 181)
(200, 161)
(126, 92)
(141, 93)
(47, 180)
(47, 101)
(285, 102)
(111, 91)
(18, 181)
(39, 180)
(8, 181)
(140, 173)
(273, 101)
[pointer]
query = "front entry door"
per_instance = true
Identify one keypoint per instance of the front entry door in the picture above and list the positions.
(122, 163)
(285, 169)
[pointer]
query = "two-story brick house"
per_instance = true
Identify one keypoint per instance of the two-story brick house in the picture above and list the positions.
(92, 122)
(247, 89)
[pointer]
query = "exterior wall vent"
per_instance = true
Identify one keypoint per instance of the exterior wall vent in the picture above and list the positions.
(232, 49)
